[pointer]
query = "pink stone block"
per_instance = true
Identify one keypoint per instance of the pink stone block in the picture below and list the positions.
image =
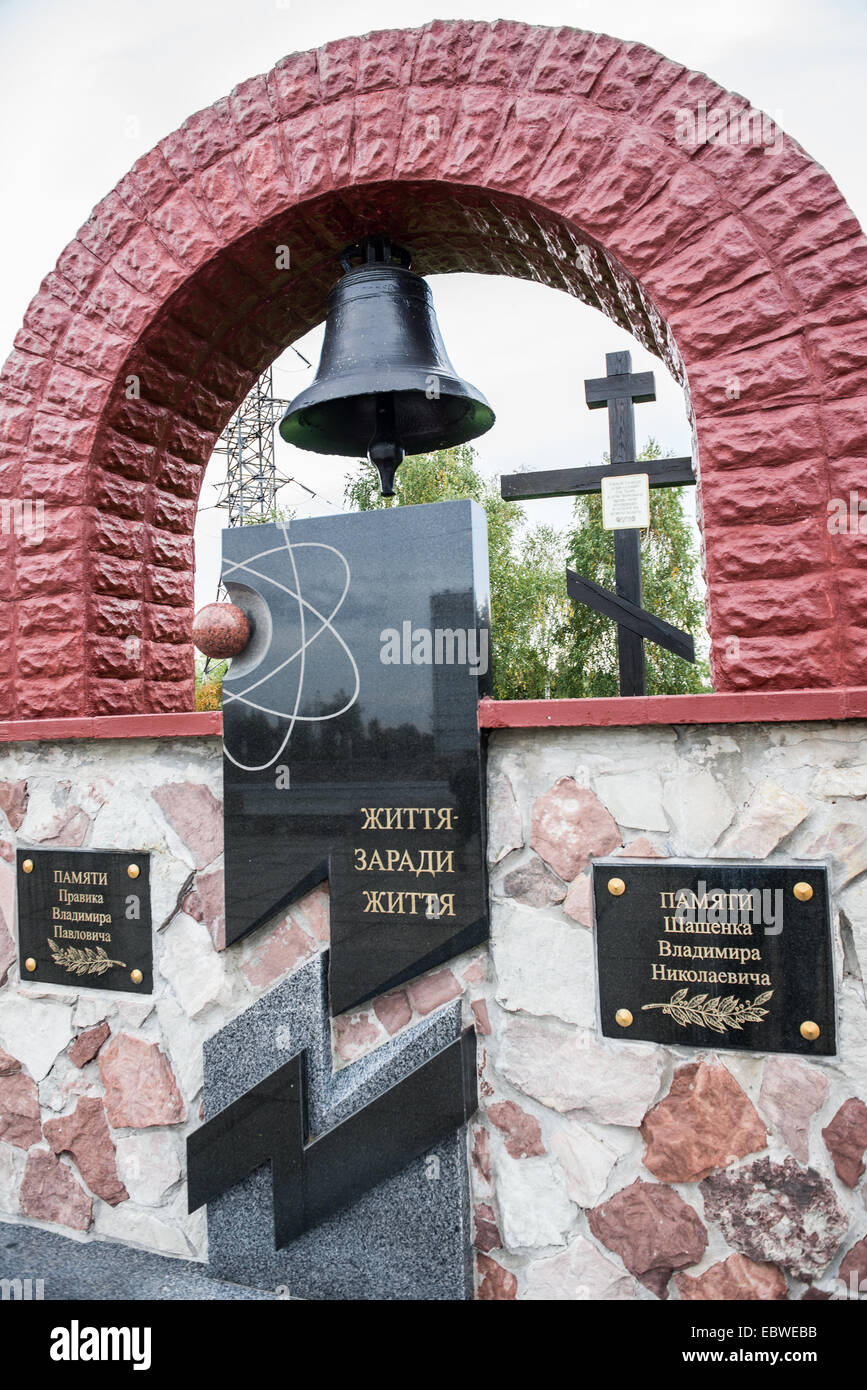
(705, 1122)
(846, 1140)
(140, 1086)
(483, 1022)
(196, 816)
(209, 897)
(50, 1192)
(733, 1279)
(578, 903)
(393, 1011)
(88, 1043)
(522, 1130)
(569, 826)
(432, 991)
(355, 1035)
(13, 800)
(85, 1135)
(19, 1109)
(276, 953)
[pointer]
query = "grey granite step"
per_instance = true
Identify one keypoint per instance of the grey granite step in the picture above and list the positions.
(79, 1270)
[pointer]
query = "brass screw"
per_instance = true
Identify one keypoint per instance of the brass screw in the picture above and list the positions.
(623, 1017)
(803, 892)
(810, 1030)
(27, 866)
(133, 870)
(616, 886)
(136, 976)
(30, 964)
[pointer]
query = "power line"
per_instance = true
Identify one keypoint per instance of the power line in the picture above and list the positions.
(249, 490)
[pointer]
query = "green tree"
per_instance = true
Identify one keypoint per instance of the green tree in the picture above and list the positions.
(670, 590)
(529, 605)
(268, 517)
(209, 683)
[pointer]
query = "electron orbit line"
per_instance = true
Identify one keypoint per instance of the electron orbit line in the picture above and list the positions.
(325, 624)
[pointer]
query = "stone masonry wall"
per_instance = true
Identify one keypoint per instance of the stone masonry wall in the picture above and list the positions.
(613, 1170)
(601, 1169)
(98, 1090)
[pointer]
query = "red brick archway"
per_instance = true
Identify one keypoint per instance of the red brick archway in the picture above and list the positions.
(544, 153)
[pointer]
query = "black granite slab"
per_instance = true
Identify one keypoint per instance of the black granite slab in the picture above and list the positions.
(352, 747)
(84, 919)
(719, 955)
(407, 1237)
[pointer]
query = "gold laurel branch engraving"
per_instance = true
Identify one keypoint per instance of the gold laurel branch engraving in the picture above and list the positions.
(719, 1014)
(82, 960)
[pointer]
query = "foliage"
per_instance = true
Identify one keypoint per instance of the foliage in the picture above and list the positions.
(209, 684)
(273, 514)
(543, 644)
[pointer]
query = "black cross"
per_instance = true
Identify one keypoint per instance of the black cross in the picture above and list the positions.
(620, 391)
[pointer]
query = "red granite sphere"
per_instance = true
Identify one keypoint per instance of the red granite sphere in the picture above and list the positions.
(221, 630)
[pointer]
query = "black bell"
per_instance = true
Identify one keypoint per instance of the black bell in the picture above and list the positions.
(385, 386)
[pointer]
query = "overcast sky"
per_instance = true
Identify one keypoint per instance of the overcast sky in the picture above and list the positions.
(89, 85)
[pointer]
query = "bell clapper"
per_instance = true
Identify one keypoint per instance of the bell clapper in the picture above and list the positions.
(385, 452)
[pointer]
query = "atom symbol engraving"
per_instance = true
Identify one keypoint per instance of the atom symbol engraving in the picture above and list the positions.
(307, 637)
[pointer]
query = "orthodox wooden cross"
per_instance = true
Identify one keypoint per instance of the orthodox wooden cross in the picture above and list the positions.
(620, 391)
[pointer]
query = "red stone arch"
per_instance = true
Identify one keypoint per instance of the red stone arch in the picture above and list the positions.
(544, 153)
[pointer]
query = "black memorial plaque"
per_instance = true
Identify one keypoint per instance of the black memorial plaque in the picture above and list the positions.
(716, 955)
(84, 919)
(352, 749)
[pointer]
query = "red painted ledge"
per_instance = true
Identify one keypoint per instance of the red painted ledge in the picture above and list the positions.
(748, 707)
(187, 725)
(753, 707)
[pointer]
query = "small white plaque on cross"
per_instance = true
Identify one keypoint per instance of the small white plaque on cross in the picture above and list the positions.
(626, 502)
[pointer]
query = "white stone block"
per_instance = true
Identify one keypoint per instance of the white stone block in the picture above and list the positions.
(12, 1162)
(768, 817)
(183, 1041)
(63, 1083)
(149, 1165)
(578, 1273)
(135, 1227)
(841, 781)
(34, 1031)
(505, 831)
(131, 1013)
(543, 966)
(190, 964)
(700, 809)
(569, 1071)
(535, 1209)
(93, 1008)
(586, 1162)
(634, 799)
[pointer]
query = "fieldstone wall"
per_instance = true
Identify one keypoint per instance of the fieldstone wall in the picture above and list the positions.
(600, 1169)
(98, 1090)
(609, 1170)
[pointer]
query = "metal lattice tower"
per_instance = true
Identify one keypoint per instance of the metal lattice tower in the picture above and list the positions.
(250, 486)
